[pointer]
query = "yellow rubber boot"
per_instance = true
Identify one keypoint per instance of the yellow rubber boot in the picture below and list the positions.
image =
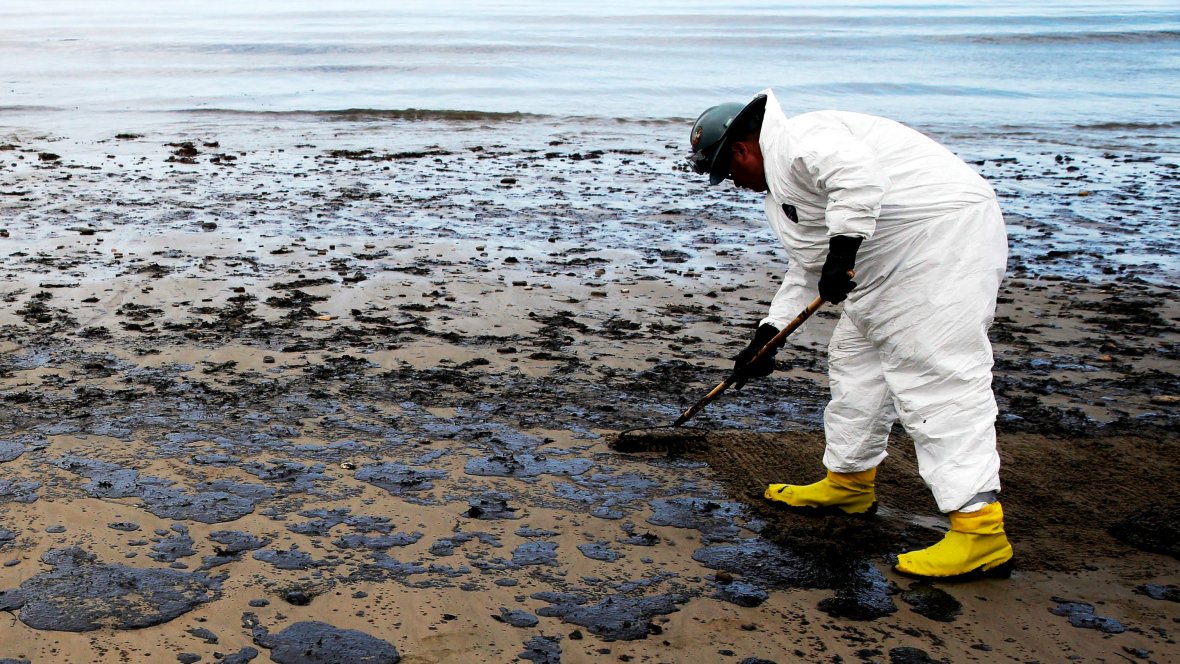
(976, 546)
(849, 493)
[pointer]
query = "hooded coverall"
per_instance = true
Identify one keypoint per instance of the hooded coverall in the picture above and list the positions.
(912, 340)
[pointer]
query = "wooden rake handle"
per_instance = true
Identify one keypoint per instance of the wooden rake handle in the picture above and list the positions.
(768, 349)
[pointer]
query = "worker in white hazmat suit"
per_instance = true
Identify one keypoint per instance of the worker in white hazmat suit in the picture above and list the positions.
(884, 219)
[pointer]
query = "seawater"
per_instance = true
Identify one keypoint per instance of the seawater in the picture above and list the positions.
(981, 64)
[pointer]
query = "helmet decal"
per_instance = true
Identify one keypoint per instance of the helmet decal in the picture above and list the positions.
(696, 136)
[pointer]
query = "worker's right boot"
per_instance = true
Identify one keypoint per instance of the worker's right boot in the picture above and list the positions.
(975, 547)
(847, 493)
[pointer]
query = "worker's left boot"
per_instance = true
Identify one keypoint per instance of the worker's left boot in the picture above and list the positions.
(976, 546)
(839, 493)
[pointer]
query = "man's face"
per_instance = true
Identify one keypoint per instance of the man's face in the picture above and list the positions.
(745, 165)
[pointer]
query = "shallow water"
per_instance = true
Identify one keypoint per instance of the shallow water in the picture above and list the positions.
(977, 64)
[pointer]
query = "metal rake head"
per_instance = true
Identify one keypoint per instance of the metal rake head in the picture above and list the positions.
(669, 439)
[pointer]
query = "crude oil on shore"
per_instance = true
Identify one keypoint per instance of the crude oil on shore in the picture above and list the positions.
(316, 386)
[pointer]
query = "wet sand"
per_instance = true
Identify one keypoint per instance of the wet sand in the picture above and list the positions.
(296, 389)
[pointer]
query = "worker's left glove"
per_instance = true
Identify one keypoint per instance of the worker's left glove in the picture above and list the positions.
(835, 281)
(764, 367)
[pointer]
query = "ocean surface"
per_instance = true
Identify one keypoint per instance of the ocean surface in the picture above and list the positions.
(981, 64)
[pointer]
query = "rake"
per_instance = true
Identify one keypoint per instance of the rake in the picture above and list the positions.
(672, 436)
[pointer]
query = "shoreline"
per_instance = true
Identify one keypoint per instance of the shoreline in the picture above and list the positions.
(298, 344)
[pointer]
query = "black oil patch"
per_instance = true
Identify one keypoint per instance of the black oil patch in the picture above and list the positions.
(446, 546)
(866, 595)
(542, 650)
(862, 593)
(315, 642)
(79, 595)
(203, 507)
(1168, 592)
(242, 656)
(19, 491)
(910, 655)
(772, 566)
(526, 465)
(516, 617)
(1081, 614)
(10, 449)
(714, 519)
(231, 544)
(535, 553)
(291, 558)
(204, 634)
(618, 617)
(399, 479)
(933, 602)
(490, 507)
(741, 593)
(599, 551)
(322, 522)
(236, 541)
(108, 480)
(637, 539)
(292, 476)
(375, 542)
(613, 495)
(170, 549)
(229, 502)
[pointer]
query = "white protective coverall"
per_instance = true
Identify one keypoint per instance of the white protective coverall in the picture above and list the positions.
(912, 340)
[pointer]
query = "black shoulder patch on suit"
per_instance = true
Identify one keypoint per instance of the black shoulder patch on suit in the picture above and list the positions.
(791, 213)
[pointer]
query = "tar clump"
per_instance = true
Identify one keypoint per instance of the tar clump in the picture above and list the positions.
(314, 642)
(934, 603)
(616, 618)
(1081, 614)
(79, 595)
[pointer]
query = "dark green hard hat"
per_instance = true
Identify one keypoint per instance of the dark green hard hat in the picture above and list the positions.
(711, 136)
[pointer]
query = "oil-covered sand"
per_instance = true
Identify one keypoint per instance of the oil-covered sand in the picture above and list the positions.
(306, 391)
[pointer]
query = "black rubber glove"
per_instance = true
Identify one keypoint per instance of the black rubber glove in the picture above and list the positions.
(763, 367)
(835, 280)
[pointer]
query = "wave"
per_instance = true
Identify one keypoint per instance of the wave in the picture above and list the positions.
(1087, 37)
(371, 114)
(1121, 126)
(430, 115)
(906, 90)
(28, 109)
(353, 114)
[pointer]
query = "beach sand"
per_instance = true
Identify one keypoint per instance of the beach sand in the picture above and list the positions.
(320, 393)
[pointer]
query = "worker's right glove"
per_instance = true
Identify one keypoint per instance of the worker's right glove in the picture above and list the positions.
(835, 281)
(763, 367)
